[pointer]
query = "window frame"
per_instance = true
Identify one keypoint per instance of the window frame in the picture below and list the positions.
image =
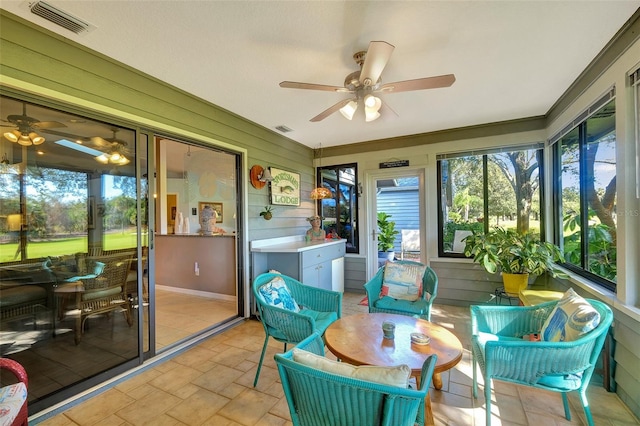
(555, 143)
(351, 246)
(484, 157)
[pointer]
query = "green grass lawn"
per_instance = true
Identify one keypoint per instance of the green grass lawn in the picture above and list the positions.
(112, 241)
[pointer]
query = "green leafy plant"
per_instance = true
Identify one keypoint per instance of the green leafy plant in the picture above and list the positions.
(267, 213)
(512, 252)
(386, 232)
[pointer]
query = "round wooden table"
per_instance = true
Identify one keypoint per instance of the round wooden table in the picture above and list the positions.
(357, 339)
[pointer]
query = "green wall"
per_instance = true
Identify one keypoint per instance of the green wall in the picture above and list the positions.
(62, 73)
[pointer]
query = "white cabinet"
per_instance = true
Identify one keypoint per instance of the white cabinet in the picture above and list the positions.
(314, 264)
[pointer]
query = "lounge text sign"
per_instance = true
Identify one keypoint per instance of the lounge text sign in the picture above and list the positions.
(392, 164)
(285, 187)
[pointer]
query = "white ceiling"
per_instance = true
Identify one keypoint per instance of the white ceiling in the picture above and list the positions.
(511, 59)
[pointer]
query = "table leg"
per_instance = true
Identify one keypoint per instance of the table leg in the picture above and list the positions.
(437, 381)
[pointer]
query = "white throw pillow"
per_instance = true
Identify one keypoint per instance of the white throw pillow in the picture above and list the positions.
(402, 281)
(394, 376)
(571, 318)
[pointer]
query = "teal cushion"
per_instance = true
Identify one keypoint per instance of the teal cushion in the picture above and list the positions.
(276, 293)
(416, 308)
(323, 319)
(564, 383)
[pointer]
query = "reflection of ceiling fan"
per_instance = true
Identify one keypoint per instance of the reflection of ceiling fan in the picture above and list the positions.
(25, 131)
(115, 150)
(364, 84)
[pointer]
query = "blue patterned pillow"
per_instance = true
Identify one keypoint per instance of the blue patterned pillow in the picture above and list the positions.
(276, 293)
(571, 318)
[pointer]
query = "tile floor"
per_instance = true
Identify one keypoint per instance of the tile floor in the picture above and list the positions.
(211, 384)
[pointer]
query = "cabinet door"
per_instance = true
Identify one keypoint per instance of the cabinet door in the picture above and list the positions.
(318, 275)
(325, 277)
(310, 276)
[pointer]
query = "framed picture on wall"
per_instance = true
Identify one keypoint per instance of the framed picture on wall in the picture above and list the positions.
(215, 206)
(285, 187)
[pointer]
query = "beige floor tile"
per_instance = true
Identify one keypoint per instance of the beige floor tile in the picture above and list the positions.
(238, 411)
(217, 379)
(212, 384)
(198, 408)
(150, 408)
(99, 407)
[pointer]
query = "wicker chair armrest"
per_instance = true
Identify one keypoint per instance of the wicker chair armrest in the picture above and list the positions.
(374, 286)
(15, 368)
(313, 344)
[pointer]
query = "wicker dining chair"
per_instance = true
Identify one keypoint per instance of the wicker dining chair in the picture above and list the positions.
(319, 309)
(101, 294)
(386, 304)
(317, 397)
(501, 353)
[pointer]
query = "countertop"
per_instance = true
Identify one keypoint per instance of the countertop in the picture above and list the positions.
(294, 244)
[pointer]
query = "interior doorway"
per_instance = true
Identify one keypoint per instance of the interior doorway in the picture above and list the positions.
(400, 194)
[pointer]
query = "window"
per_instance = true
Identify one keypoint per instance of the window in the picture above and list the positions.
(340, 211)
(585, 201)
(635, 84)
(482, 190)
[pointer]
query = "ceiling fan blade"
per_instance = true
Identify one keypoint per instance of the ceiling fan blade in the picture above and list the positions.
(385, 109)
(419, 84)
(48, 125)
(101, 142)
(311, 86)
(327, 112)
(376, 59)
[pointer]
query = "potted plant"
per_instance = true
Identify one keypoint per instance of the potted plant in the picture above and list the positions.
(386, 236)
(513, 253)
(267, 213)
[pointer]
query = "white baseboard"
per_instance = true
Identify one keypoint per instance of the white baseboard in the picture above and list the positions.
(198, 293)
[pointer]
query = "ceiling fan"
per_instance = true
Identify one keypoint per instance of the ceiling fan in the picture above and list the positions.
(366, 83)
(115, 149)
(25, 128)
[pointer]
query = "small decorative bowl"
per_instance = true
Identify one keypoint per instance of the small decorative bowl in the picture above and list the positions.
(420, 339)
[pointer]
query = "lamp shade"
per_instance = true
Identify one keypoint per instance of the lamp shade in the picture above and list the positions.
(320, 193)
(349, 109)
(371, 106)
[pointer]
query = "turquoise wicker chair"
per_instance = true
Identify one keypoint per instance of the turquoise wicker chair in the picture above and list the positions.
(556, 366)
(319, 309)
(318, 398)
(421, 307)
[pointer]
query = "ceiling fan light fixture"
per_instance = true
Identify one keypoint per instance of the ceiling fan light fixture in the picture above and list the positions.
(115, 157)
(36, 138)
(371, 116)
(349, 110)
(123, 161)
(102, 158)
(12, 136)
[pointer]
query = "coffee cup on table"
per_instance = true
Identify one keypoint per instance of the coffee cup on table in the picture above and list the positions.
(388, 329)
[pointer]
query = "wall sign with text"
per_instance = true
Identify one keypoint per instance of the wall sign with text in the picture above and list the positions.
(285, 187)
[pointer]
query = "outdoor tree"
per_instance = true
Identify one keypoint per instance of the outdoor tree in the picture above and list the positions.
(520, 169)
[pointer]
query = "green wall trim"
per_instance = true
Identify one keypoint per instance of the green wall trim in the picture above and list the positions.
(449, 135)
